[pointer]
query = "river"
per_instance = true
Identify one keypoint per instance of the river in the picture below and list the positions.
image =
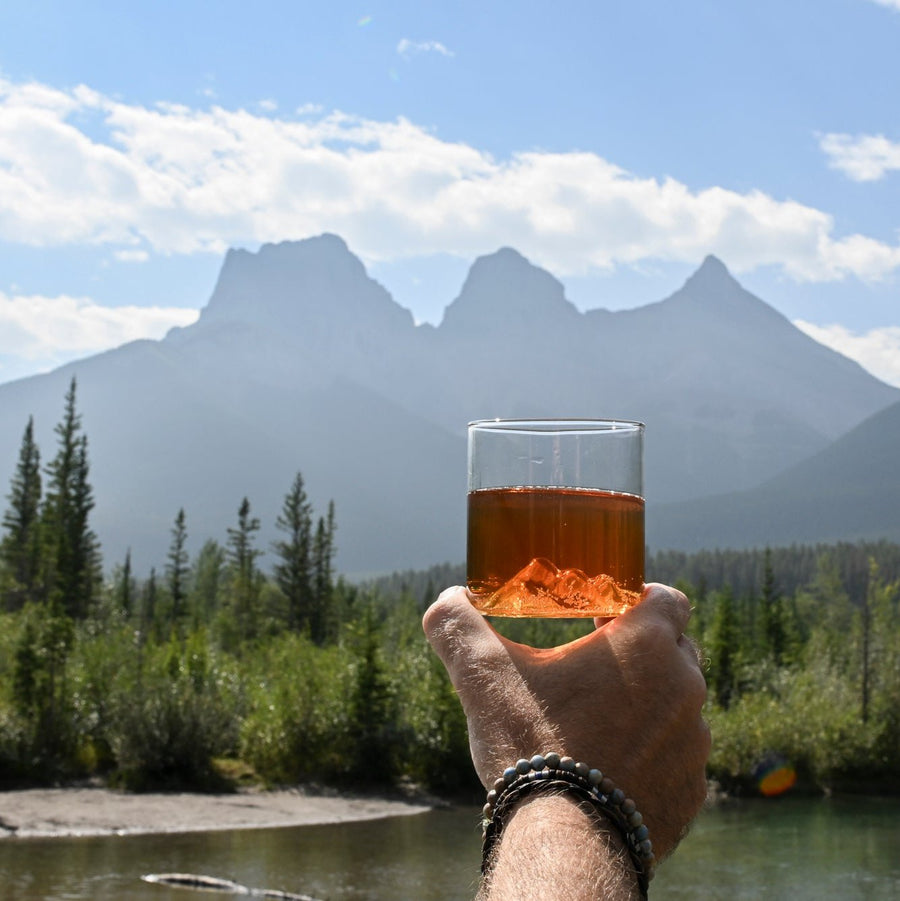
(789, 848)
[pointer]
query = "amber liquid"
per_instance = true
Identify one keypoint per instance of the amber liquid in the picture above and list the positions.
(555, 551)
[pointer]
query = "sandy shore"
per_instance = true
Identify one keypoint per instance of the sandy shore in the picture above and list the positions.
(32, 813)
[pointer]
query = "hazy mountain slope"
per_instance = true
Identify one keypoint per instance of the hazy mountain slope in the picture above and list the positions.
(301, 362)
(849, 491)
(730, 390)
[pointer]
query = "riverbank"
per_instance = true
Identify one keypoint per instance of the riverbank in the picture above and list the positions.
(58, 812)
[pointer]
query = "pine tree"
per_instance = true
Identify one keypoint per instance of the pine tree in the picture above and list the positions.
(20, 549)
(73, 560)
(294, 573)
(177, 567)
(722, 648)
(771, 614)
(207, 579)
(323, 576)
(125, 586)
(149, 603)
(245, 576)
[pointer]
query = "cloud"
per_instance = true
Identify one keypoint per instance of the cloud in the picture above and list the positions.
(407, 48)
(48, 331)
(132, 256)
(78, 168)
(877, 350)
(891, 4)
(861, 157)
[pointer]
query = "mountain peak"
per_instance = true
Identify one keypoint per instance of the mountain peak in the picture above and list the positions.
(301, 284)
(713, 273)
(504, 288)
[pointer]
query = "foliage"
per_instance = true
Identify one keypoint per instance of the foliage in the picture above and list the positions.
(305, 677)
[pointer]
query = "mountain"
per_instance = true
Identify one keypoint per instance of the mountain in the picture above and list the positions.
(301, 362)
(848, 492)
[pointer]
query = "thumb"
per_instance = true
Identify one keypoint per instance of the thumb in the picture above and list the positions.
(459, 634)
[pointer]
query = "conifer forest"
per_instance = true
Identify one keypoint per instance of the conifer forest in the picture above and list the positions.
(244, 662)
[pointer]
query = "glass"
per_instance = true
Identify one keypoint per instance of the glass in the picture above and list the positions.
(555, 517)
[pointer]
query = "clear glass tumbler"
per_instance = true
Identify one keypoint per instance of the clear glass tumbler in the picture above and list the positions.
(555, 516)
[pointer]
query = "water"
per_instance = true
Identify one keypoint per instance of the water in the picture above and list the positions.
(821, 850)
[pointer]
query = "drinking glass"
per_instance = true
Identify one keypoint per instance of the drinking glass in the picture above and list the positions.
(555, 516)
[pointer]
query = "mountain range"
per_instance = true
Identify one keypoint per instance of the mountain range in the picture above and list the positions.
(301, 362)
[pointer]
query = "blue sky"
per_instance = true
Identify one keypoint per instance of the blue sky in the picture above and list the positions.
(615, 144)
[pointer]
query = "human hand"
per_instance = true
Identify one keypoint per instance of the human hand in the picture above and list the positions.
(625, 699)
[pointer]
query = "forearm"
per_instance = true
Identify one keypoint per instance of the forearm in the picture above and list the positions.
(553, 848)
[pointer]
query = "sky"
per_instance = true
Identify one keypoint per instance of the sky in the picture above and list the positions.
(615, 144)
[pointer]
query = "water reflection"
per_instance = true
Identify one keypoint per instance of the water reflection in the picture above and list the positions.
(821, 850)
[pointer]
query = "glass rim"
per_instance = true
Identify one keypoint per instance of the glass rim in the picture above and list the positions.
(557, 425)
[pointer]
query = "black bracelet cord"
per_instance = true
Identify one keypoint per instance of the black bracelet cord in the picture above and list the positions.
(551, 773)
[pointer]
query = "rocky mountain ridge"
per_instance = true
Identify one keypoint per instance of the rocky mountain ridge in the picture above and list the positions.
(301, 362)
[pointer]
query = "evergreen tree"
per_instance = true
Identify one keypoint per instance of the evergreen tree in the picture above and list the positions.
(149, 604)
(73, 561)
(771, 614)
(177, 567)
(20, 549)
(294, 573)
(323, 576)
(207, 582)
(245, 576)
(125, 586)
(722, 647)
(370, 700)
(39, 686)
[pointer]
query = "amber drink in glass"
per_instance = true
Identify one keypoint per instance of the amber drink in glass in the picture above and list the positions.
(555, 517)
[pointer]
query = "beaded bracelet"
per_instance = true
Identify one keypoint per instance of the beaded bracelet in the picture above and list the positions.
(553, 772)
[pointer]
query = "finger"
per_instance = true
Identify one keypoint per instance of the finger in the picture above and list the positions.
(458, 632)
(663, 604)
(692, 650)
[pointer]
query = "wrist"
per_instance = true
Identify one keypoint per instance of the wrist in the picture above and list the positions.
(603, 808)
(555, 845)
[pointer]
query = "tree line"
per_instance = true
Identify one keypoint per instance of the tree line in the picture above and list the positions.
(212, 669)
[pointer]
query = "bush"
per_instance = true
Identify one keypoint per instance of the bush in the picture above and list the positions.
(297, 725)
(170, 717)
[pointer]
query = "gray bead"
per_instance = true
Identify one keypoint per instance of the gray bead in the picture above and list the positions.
(617, 796)
(595, 777)
(538, 762)
(499, 784)
(567, 764)
(509, 774)
(582, 769)
(523, 766)
(552, 760)
(628, 807)
(607, 785)
(635, 819)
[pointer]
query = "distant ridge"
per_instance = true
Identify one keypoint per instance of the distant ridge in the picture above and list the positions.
(302, 362)
(850, 491)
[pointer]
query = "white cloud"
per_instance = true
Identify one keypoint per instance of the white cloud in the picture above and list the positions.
(48, 331)
(877, 350)
(132, 256)
(407, 48)
(891, 4)
(178, 180)
(861, 157)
